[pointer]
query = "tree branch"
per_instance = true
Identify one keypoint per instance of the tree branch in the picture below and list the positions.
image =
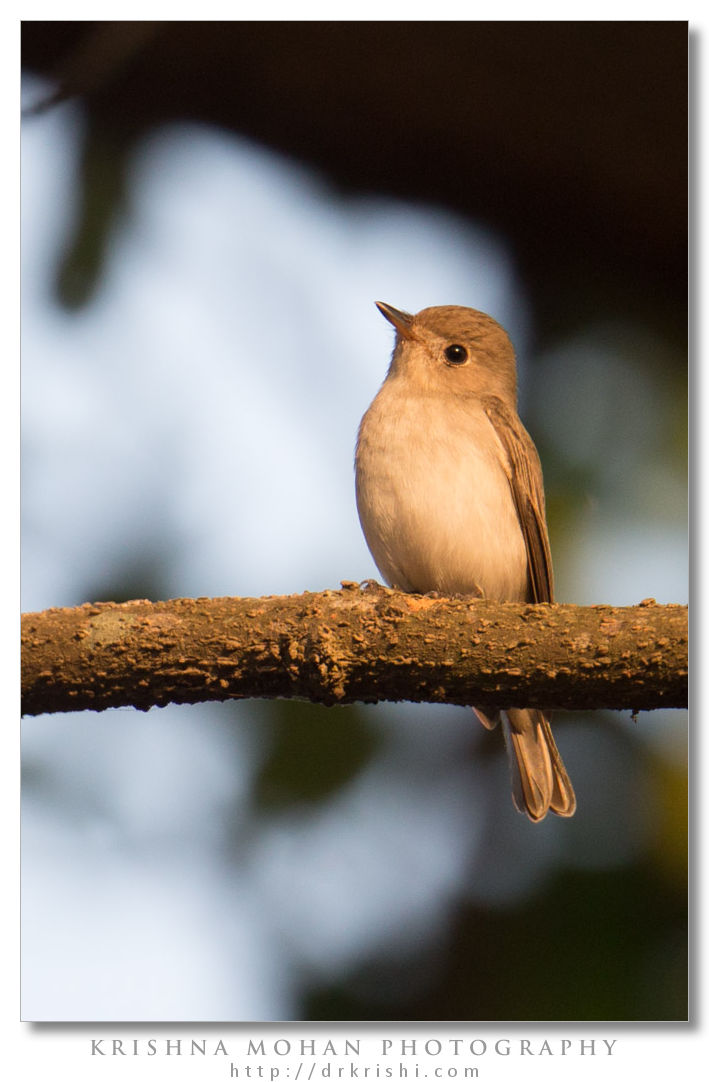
(361, 643)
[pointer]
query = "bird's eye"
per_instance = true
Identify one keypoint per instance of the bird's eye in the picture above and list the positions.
(456, 354)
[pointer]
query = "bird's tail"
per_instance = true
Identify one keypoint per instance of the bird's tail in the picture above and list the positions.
(539, 779)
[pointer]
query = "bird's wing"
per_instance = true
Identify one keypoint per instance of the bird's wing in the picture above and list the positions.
(525, 476)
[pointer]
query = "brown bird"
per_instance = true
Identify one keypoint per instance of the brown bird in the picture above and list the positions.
(451, 499)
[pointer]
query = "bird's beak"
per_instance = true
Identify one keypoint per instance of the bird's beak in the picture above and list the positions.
(400, 320)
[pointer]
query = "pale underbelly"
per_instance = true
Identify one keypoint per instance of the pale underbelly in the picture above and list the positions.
(439, 529)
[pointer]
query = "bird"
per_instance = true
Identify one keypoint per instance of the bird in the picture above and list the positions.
(450, 498)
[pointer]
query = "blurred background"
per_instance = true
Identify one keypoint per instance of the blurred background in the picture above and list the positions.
(209, 211)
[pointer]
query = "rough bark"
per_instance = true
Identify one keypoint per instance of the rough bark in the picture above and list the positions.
(361, 643)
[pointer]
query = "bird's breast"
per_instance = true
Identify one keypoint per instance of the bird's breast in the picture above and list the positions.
(434, 498)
